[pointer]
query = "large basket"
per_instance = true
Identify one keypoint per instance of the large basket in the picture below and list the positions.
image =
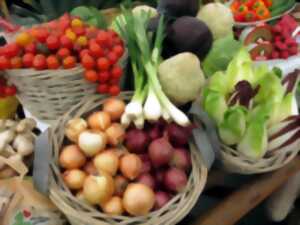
(80, 213)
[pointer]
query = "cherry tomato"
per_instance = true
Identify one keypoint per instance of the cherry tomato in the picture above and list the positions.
(118, 41)
(28, 60)
(91, 75)
(69, 62)
(66, 42)
(52, 42)
(96, 50)
(119, 50)
(113, 58)
(114, 81)
(23, 39)
(102, 88)
(4, 63)
(16, 62)
(63, 53)
(10, 90)
(79, 31)
(88, 62)
(41, 35)
(102, 38)
(103, 64)
(103, 77)
(53, 62)
(84, 52)
(31, 48)
(39, 62)
(114, 90)
(2, 81)
(116, 72)
(11, 50)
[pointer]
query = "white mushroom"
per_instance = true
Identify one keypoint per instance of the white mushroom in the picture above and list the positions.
(23, 145)
(8, 151)
(24, 125)
(10, 123)
(6, 137)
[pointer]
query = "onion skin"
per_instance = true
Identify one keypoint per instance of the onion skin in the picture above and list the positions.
(98, 189)
(160, 152)
(138, 199)
(74, 127)
(161, 199)
(90, 168)
(178, 135)
(175, 180)
(114, 107)
(148, 180)
(71, 157)
(113, 206)
(137, 141)
(181, 159)
(92, 142)
(131, 166)
(146, 164)
(160, 176)
(115, 134)
(121, 184)
(74, 179)
(99, 121)
(107, 161)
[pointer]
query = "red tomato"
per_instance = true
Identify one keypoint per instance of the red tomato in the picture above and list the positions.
(102, 88)
(69, 62)
(11, 50)
(91, 75)
(66, 42)
(119, 50)
(118, 41)
(96, 50)
(88, 62)
(103, 77)
(30, 48)
(102, 38)
(52, 42)
(10, 90)
(53, 62)
(113, 58)
(28, 60)
(114, 90)
(84, 52)
(39, 62)
(63, 53)
(16, 62)
(114, 81)
(79, 31)
(103, 64)
(41, 34)
(116, 72)
(4, 63)
(112, 33)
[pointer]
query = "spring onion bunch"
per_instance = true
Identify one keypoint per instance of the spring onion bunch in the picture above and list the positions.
(149, 101)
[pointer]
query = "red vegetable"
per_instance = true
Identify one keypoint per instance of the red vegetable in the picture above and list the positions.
(181, 159)
(160, 152)
(148, 180)
(175, 180)
(136, 141)
(160, 176)
(178, 135)
(146, 166)
(161, 198)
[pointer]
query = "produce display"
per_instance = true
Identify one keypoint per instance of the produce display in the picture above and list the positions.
(256, 10)
(16, 145)
(62, 44)
(109, 166)
(272, 41)
(253, 108)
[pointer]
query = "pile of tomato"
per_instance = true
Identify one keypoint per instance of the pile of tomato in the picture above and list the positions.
(251, 10)
(62, 44)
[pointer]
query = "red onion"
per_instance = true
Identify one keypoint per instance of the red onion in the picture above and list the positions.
(175, 180)
(181, 159)
(148, 180)
(161, 198)
(136, 141)
(146, 164)
(155, 132)
(160, 152)
(159, 176)
(178, 135)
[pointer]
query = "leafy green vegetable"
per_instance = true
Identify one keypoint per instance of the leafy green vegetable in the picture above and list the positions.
(222, 52)
(90, 15)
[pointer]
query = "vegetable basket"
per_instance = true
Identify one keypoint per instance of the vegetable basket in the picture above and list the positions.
(48, 94)
(80, 213)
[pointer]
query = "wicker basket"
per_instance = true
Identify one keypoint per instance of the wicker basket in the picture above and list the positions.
(80, 213)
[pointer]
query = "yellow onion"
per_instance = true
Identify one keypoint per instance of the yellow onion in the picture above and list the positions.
(115, 108)
(90, 168)
(138, 199)
(131, 166)
(74, 127)
(99, 120)
(71, 157)
(113, 206)
(92, 142)
(107, 161)
(98, 189)
(115, 134)
(74, 179)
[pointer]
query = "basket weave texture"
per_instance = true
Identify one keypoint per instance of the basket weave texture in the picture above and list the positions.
(80, 213)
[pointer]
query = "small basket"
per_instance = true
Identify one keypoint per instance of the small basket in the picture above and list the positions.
(80, 213)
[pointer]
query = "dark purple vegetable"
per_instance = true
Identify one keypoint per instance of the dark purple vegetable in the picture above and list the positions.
(155, 132)
(181, 159)
(146, 166)
(188, 34)
(160, 152)
(291, 81)
(178, 8)
(159, 176)
(175, 180)
(161, 198)
(137, 141)
(178, 135)
(148, 180)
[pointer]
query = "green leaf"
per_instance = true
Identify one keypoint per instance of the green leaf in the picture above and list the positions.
(83, 12)
(218, 82)
(283, 109)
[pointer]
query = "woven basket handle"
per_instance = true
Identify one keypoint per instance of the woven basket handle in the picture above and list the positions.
(18, 166)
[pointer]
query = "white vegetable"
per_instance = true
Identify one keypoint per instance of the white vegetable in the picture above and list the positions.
(6, 137)
(181, 78)
(24, 125)
(92, 142)
(218, 18)
(152, 107)
(23, 145)
(141, 9)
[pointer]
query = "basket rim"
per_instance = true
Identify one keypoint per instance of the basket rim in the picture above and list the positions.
(60, 196)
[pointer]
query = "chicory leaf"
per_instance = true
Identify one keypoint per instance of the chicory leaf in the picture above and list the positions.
(218, 82)
(290, 82)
